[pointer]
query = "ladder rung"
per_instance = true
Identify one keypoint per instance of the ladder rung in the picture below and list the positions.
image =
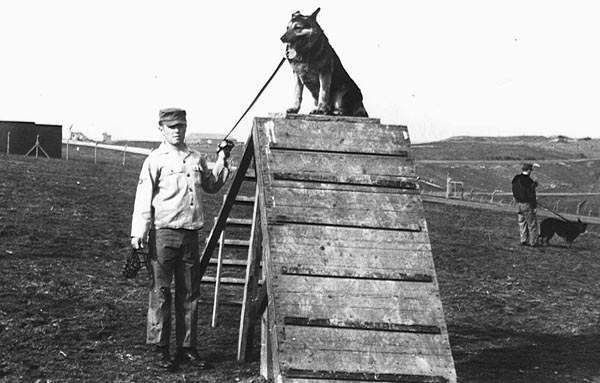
(225, 280)
(229, 262)
(224, 303)
(236, 242)
(242, 199)
(228, 280)
(239, 221)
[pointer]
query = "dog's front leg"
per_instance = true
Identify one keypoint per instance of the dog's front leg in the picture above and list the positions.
(324, 105)
(298, 89)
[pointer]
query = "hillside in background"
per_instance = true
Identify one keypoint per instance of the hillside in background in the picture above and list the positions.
(508, 148)
(487, 164)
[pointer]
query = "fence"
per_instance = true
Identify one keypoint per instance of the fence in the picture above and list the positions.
(574, 204)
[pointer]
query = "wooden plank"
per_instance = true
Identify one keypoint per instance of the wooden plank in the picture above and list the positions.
(339, 186)
(326, 376)
(324, 117)
(357, 169)
(366, 361)
(333, 136)
(369, 301)
(415, 311)
(346, 208)
(324, 324)
(348, 238)
(328, 272)
(351, 248)
(221, 222)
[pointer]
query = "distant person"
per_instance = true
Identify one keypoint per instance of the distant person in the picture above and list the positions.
(167, 217)
(523, 189)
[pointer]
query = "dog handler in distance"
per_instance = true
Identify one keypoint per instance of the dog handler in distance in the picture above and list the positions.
(167, 216)
(523, 189)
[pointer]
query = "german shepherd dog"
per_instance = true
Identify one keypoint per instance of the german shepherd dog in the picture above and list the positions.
(565, 229)
(318, 67)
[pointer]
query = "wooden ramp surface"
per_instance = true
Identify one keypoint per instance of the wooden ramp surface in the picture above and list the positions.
(352, 290)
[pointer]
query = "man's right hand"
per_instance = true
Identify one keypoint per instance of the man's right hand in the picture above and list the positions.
(137, 243)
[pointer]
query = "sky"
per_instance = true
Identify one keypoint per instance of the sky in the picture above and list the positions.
(442, 68)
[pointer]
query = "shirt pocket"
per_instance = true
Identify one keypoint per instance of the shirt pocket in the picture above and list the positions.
(172, 180)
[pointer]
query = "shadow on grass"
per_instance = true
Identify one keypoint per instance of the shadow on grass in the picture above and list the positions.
(496, 355)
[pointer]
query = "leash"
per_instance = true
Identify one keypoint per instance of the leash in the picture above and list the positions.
(553, 212)
(256, 98)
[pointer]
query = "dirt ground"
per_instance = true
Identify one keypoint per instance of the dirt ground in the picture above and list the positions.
(66, 315)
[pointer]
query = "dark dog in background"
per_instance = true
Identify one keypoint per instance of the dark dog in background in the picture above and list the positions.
(318, 67)
(565, 229)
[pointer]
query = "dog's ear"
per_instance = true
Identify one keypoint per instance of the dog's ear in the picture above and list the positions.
(315, 13)
(296, 14)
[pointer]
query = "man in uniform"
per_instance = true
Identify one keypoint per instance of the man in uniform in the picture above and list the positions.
(167, 217)
(523, 189)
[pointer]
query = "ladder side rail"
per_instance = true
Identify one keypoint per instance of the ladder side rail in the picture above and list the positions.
(218, 280)
(251, 286)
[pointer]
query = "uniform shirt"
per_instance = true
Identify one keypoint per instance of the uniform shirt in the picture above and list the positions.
(168, 192)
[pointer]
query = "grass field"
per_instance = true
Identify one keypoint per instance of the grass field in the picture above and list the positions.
(66, 315)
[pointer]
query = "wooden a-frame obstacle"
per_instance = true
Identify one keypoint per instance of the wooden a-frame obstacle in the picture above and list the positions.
(349, 275)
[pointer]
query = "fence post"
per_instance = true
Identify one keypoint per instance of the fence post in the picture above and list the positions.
(95, 152)
(579, 205)
(124, 152)
(448, 183)
(8, 143)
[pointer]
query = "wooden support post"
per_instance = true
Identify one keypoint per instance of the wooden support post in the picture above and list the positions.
(37, 147)
(124, 153)
(95, 153)
(248, 316)
(218, 278)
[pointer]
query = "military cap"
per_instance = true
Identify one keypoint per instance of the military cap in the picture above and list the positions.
(171, 116)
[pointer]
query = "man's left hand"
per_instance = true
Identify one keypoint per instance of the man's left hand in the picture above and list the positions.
(224, 148)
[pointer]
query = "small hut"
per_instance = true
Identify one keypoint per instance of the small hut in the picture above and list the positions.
(18, 137)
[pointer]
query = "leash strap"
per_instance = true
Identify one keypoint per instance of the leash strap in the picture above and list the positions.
(256, 98)
(553, 212)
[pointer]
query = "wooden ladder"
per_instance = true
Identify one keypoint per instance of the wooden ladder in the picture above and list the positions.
(253, 300)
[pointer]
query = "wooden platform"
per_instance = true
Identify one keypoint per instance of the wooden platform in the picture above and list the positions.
(352, 290)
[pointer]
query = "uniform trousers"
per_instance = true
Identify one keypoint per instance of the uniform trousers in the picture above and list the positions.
(173, 254)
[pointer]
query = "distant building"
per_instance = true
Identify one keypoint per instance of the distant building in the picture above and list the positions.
(18, 137)
(106, 137)
(78, 136)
